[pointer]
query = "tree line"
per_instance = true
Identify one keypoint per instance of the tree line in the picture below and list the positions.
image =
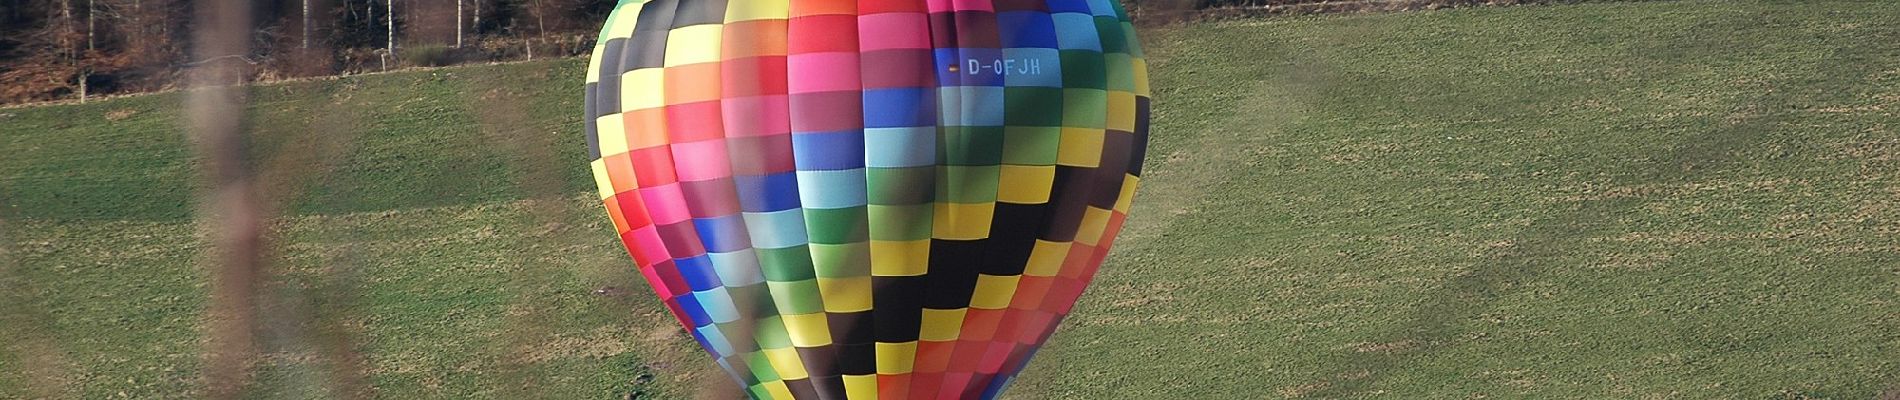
(75, 49)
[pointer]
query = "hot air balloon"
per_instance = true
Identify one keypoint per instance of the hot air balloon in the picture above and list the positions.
(866, 199)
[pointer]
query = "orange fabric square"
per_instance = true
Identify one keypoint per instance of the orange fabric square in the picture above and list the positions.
(1079, 255)
(620, 172)
(613, 212)
(980, 324)
(893, 386)
(1030, 291)
(754, 38)
(692, 83)
(646, 128)
(932, 356)
(823, 7)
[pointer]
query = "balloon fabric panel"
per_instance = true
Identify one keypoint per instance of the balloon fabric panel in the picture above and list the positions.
(868, 199)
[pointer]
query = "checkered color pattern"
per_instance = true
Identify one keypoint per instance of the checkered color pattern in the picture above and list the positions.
(868, 199)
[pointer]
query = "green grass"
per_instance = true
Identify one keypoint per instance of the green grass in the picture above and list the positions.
(1690, 199)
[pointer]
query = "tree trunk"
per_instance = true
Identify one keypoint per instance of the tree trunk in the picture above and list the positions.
(65, 25)
(306, 24)
(91, 44)
(458, 23)
(389, 11)
(477, 26)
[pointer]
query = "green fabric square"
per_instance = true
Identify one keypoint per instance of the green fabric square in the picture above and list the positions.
(900, 186)
(1128, 38)
(752, 299)
(798, 297)
(762, 366)
(1082, 69)
(786, 264)
(1085, 108)
(1110, 30)
(1031, 145)
(967, 184)
(902, 223)
(970, 145)
(771, 334)
(1032, 106)
(1121, 72)
(835, 225)
(841, 260)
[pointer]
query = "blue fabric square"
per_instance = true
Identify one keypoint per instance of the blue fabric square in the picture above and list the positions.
(969, 67)
(718, 305)
(825, 151)
(1026, 29)
(713, 340)
(972, 106)
(1036, 67)
(777, 230)
(737, 268)
(768, 193)
(831, 189)
(698, 272)
(695, 314)
(1077, 32)
(722, 234)
(1074, 6)
(900, 147)
(900, 107)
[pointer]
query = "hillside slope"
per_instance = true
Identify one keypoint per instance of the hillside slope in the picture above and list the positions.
(1688, 199)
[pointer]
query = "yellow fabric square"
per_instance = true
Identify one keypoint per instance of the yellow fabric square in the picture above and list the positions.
(623, 21)
(843, 295)
(693, 44)
(1129, 183)
(1081, 147)
(601, 181)
(641, 89)
(1046, 258)
(777, 390)
(895, 258)
(1141, 77)
(612, 130)
(593, 62)
(860, 387)
(993, 292)
(960, 221)
(896, 358)
(1025, 184)
(785, 361)
(743, 10)
(941, 325)
(1094, 220)
(808, 330)
(1121, 111)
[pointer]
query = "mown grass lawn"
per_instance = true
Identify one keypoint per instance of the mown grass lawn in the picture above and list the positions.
(1695, 199)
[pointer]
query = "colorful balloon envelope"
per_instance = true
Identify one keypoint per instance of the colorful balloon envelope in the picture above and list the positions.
(867, 199)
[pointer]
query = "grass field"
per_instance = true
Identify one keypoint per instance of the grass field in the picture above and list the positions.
(1695, 199)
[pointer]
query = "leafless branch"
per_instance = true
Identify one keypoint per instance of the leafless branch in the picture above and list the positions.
(230, 208)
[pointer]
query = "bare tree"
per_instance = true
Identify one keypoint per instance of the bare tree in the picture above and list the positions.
(477, 25)
(389, 15)
(216, 106)
(91, 11)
